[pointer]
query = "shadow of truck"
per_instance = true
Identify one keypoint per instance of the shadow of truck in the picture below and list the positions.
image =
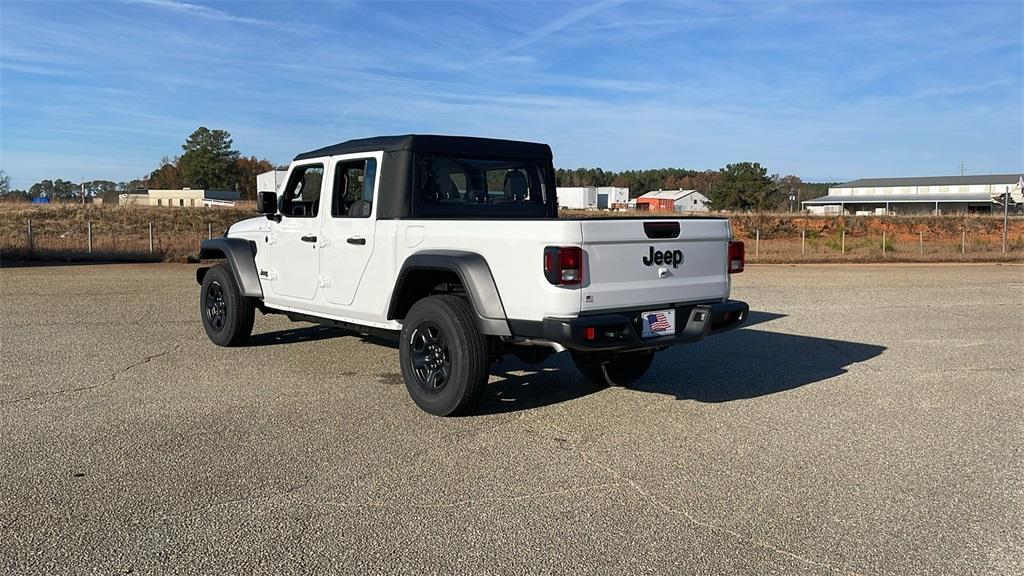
(745, 363)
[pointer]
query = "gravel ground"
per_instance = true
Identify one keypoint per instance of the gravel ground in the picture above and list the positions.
(867, 422)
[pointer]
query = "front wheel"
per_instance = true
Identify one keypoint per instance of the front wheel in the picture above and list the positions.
(227, 314)
(613, 369)
(443, 355)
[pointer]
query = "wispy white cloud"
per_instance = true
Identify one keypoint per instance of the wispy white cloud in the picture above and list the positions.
(944, 92)
(563, 21)
(204, 11)
(515, 60)
(552, 26)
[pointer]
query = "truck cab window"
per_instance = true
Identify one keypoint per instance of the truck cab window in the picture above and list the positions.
(302, 195)
(448, 185)
(353, 188)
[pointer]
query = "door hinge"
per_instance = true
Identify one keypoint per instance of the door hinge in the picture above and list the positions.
(325, 282)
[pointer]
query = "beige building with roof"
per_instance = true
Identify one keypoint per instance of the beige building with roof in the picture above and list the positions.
(184, 198)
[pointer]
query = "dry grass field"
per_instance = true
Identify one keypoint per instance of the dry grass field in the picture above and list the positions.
(61, 232)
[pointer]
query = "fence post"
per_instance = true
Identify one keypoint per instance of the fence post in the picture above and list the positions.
(150, 237)
(883, 242)
(1006, 204)
(757, 243)
(31, 241)
(844, 241)
(209, 230)
(803, 233)
(89, 237)
(963, 243)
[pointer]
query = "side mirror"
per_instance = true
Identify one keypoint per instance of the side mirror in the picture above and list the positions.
(266, 203)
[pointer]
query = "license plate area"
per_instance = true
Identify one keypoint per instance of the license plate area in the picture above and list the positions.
(658, 323)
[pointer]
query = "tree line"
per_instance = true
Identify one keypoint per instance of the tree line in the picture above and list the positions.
(208, 161)
(741, 186)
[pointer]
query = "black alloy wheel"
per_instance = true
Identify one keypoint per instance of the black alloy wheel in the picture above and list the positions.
(443, 355)
(216, 307)
(226, 313)
(430, 358)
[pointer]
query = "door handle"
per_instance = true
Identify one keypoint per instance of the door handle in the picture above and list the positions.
(357, 240)
(308, 238)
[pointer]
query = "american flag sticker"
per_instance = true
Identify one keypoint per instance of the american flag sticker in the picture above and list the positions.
(659, 323)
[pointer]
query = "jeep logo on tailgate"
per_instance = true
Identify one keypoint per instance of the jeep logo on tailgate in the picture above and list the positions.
(659, 257)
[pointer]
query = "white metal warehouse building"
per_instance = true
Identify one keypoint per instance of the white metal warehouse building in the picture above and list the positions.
(271, 181)
(924, 195)
(592, 197)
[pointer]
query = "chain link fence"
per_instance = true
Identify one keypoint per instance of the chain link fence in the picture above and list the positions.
(105, 241)
(137, 234)
(872, 245)
(174, 234)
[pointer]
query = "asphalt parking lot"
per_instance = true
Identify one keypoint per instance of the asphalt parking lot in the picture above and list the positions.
(869, 421)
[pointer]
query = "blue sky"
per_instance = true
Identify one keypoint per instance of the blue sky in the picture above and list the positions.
(825, 90)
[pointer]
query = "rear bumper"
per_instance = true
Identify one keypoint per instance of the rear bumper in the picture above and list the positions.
(620, 331)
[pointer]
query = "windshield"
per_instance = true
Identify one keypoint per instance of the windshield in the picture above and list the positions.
(453, 186)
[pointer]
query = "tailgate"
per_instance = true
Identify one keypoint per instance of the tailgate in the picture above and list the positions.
(627, 268)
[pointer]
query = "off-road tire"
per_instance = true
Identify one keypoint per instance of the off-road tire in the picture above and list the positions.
(227, 315)
(443, 355)
(621, 369)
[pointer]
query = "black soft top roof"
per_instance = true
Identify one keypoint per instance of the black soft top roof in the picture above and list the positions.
(462, 145)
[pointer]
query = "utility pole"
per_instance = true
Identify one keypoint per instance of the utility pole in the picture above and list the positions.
(81, 183)
(961, 167)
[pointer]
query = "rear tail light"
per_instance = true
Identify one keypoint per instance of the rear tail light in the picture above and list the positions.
(563, 266)
(737, 256)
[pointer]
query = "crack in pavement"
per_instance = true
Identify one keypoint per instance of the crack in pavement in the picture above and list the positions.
(45, 394)
(470, 502)
(393, 506)
(714, 527)
(14, 518)
(145, 360)
(111, 380)
(8, 528)
(624, 482)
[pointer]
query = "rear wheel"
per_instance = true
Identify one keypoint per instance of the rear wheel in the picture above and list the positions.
(613, 369)
(227, 314)
(443, 355)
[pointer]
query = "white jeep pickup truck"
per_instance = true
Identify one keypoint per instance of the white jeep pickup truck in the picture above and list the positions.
(454, 245)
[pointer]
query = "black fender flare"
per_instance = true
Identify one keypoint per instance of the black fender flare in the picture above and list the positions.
(475, 275)
(240, 255)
